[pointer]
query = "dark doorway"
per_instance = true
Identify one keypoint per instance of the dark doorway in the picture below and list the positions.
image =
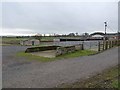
(32, 42)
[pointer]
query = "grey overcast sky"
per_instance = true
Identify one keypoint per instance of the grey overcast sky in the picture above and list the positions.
(20, 18)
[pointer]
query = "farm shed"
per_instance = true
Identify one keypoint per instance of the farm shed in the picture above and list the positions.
(66, 42)
(30, 42)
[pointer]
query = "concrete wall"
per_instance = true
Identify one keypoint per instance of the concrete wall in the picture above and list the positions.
(68, 49)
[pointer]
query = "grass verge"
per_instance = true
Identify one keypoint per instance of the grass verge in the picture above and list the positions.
(107, 79)
(5, 44)
(65, 56)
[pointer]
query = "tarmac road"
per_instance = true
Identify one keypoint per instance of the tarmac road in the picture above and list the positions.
(21, 73)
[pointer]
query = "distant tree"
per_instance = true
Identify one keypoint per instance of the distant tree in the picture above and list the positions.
(76, 34)
(85, 34)
(71, 34)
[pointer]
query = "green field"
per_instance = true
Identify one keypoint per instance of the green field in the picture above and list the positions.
(12, 40)
(16, 40)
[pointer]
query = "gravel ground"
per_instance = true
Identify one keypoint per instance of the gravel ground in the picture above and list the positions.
(21, 73)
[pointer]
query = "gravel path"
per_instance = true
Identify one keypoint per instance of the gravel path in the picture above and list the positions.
(21, 73)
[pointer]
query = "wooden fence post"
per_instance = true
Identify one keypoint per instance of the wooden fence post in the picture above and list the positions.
(117, 42)
(103, 45)
(106, 45)
(113, 43)
(82, 46)
(98, 46)
(110, 45)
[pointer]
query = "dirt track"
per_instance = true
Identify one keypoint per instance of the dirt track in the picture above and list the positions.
(21, 73)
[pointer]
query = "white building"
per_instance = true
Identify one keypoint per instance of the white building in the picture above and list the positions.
(30, 42)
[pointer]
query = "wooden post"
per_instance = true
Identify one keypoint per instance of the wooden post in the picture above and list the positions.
(82, 47)
(110, 45)
(118, 42)
(98, 46)
(106, 45)
(115, 42)
(103, 45)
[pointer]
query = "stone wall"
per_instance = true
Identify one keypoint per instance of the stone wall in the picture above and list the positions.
(68, 49)
(38, 49)
(58, 50)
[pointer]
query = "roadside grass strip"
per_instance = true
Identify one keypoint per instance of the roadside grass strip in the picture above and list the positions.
(29, 56)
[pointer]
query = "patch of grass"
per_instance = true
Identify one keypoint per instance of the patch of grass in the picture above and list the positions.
(33, 57)
(77, 54)
(115, 84)
(5, 44)
(107, 79)
(65, 56)
(12, 40)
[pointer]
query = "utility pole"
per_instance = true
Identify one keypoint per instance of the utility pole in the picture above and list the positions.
(105, 29)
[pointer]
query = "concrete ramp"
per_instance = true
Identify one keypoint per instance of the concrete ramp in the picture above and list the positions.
(48, 53)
